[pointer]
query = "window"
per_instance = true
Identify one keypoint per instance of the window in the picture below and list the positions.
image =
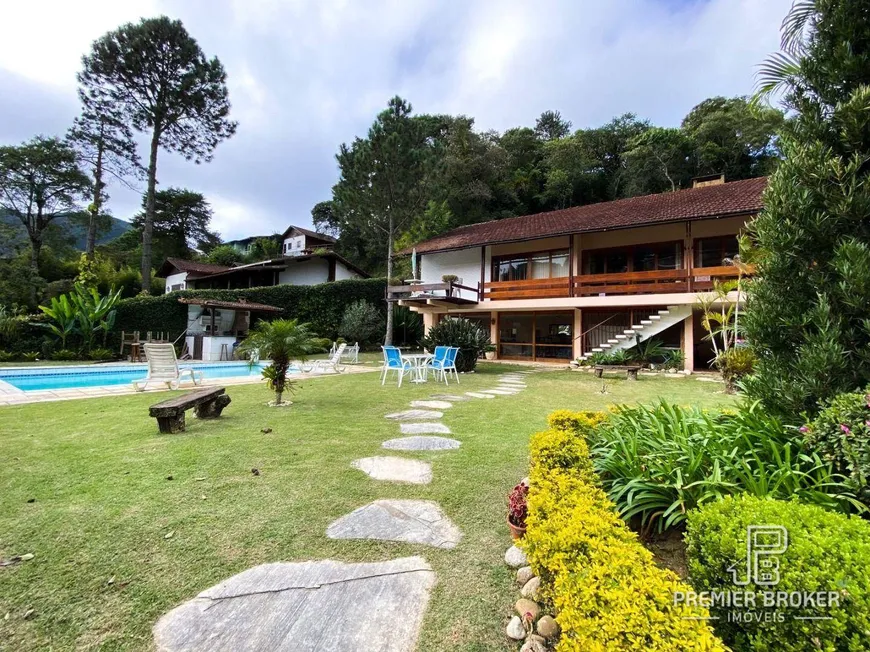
(712, 252)
(640, 258)
(536, 335)
(179, 286)
(538, 265)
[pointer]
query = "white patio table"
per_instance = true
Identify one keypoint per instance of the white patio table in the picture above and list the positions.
(418, 365)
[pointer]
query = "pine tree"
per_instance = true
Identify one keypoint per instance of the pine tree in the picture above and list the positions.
(808, 315)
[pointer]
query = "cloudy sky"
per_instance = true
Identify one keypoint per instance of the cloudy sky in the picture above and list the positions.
(306, 76)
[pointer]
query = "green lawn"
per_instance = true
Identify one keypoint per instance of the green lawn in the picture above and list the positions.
(97, 472)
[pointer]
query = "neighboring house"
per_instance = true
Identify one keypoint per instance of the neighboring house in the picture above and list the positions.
(299, 242)
(245, 245)
(180, 274)
(308, 260)
(557, 286)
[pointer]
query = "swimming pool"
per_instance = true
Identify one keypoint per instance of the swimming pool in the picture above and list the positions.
(37, 378)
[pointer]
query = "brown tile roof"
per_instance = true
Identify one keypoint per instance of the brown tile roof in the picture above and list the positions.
(734, 198)
(189, 266)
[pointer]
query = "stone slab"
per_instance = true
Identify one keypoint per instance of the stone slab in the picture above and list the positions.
(395, 469)
(317, 606)
(421, 444)
(497, 392)
(449, 397)
(410, 415)
(433, 405)
(479, 395)
(404, 521)
(424, 428)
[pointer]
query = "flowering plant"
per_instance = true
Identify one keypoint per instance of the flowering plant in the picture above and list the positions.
(518, 506)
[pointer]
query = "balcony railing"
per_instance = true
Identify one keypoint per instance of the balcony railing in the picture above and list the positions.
(450, 292)
(664, 281)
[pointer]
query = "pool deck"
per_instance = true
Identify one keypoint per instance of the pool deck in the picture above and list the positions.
(10, 395)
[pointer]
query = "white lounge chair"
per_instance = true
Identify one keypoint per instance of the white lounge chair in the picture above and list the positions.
(163, 368)
(333, 363)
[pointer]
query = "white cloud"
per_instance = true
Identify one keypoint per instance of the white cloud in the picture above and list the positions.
(305, 77)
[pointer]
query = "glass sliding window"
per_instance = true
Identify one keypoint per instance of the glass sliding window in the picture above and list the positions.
(644, 259)
(712, 252)
(559, 264)
(616, 262)
(669, 256)
(541, 266)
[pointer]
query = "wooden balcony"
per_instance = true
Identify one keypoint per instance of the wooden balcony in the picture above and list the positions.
(667, 281)
(434, 293)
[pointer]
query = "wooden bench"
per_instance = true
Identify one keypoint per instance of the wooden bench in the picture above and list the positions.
(208, 404)
(630, 370)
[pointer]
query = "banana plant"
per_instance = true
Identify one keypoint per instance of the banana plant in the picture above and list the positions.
(62, 312)
(94, 313)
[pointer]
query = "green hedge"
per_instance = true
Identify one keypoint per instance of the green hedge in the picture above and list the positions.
(320, 305)
(826, 552)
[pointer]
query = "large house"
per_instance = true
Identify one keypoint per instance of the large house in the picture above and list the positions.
(307, 258)
(559, 285)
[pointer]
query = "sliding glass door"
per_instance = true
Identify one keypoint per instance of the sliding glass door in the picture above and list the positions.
(536, 336)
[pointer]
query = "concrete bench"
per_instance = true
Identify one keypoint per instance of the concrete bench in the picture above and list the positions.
(630, 370)
(208, 404)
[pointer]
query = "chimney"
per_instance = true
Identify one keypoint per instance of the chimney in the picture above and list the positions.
(708, 180)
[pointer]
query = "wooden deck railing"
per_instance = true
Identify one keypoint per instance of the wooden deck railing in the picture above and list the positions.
(665, 281)
(449, 290)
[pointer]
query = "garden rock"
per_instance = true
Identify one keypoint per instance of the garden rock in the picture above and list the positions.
(410, 415)
(478, 395)
(421, 444)
(405, 521)
(497, 392)
(449, 397)
(530, 588)
(533, 644)
(435, 405)
(514, 557)
(548, 627)
(395, 469)
(515, 629)
(423, 428)
(314, 605)
(524, 574)
(525, 606)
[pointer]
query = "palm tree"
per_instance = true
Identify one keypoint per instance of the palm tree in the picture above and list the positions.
(281, 341)
(781, 69)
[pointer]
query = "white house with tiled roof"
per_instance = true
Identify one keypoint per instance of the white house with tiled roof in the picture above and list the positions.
(560, 285)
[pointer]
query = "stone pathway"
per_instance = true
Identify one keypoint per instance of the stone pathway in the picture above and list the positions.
(317, 606)
(435, 405)
(421, 444)
(410, 415)
(329, 605)
(395, 469)
(424, 428)
(405, 521)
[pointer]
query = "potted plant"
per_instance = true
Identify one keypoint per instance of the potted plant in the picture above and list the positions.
(490, 352)
(450, 278)
(518, 510)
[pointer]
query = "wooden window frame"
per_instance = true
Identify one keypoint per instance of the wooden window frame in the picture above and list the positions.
(534, 314)
(721, 238)
(629, 250)
(498, 260)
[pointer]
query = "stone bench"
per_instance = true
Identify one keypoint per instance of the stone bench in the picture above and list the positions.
(630, 370)
(208, 404)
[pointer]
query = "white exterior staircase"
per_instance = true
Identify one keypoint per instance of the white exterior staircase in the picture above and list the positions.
(647, 328)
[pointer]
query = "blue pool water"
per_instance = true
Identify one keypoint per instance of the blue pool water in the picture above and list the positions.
(98, 375)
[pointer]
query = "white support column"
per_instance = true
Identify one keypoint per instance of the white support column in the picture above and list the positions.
(689, 343)
(578, 330)
(429, 320)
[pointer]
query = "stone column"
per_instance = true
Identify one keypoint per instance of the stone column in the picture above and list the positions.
(429, 320)
(578, 329)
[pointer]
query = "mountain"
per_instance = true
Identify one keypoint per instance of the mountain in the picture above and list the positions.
(13, 237)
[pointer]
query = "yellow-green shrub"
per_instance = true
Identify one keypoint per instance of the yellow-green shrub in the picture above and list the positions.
(606, 590)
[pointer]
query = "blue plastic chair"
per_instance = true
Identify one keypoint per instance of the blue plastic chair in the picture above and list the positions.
(393, 362)
(445, 363)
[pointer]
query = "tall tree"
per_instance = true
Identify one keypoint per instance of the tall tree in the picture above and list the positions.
(808, 314)
(105, 146)
(39, 181)
(386, 179)
(155, 75)
(733, 137)
(182, 222)
(550, 126)
(659, 159)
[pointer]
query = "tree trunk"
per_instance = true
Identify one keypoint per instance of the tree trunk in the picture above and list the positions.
(388, 337)
(35, 247)
(96, 204)
(148, 226)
